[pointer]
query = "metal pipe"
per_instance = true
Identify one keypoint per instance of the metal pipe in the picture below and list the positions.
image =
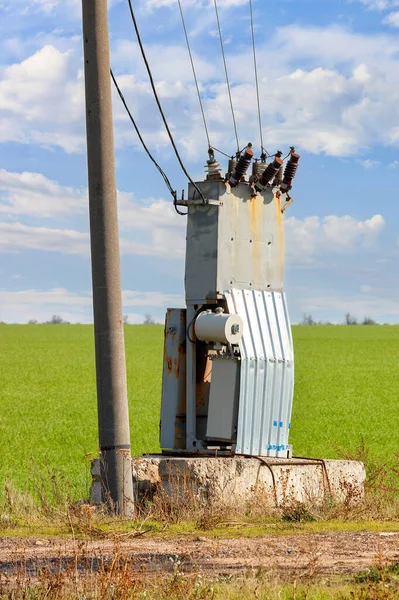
(113, 414)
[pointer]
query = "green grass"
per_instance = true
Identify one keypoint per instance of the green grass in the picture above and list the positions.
(102, 527)
(48, 416)
(346, 387)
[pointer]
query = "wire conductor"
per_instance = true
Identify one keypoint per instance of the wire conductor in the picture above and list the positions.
(256, 77)
(143, 54)
(194, 73)
(161, 171)
(220, 152)
(227, 76)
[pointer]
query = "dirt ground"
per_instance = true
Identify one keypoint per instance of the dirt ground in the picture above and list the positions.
(307, 554)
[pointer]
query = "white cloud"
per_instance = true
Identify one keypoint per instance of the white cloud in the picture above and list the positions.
(53, 296)
(308, 240)
(198, 4)
(159, 56)
(163, 230)
(311, 238)
(378, 4)
(369, 163)
(333, 46)
(21, 306)
(46, 5)
(158, 231)
(41, 100)
(153, 299)
(379, 306)
(15, 237)
(62, 296)
(344, 97)
(34, 194)
(392, 19)
(70, 8)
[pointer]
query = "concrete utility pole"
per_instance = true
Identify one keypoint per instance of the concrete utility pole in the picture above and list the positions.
(113, 413)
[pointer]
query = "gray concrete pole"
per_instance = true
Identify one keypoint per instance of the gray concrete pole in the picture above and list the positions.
(113, 412)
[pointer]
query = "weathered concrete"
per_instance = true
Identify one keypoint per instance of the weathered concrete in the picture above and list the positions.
(238, 480)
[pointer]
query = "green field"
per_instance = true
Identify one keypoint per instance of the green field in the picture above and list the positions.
(346, 387)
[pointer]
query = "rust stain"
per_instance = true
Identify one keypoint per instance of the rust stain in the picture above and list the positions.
(176, 365)
(181, 350)
(280, 234)
(256, 208)
(252, 203)
(173, 364)
(169, 364)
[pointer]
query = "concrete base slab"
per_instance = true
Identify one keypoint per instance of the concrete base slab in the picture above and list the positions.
(239, 480)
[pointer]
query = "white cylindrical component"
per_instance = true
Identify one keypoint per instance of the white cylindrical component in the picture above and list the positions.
(212, 327)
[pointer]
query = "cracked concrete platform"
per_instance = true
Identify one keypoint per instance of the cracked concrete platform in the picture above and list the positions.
(238, 480)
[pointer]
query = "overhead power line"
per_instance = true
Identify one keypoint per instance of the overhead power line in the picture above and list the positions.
(194, 73)
(256, 77)
(159, 104)
(161, 171)
(227, 76)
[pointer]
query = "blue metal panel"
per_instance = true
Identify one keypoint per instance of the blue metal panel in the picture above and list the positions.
(267, 372)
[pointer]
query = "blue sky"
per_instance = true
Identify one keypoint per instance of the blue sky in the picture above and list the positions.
(329, 83)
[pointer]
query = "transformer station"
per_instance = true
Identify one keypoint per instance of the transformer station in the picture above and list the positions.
(228, 370)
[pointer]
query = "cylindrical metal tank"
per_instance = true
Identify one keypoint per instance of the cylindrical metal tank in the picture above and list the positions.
(219, 327)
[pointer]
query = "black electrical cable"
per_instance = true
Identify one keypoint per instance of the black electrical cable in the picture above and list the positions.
(227, 77)
(256, 77)
(159, 104)
(194, 73)
(161, 171)
(179, 212)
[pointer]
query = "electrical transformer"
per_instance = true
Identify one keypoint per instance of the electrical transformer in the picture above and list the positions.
(228, 371)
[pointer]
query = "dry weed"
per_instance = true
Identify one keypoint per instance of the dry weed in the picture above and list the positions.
(381, 497)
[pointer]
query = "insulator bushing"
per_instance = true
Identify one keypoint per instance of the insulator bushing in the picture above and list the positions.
(290, 170)
(257, 169)
(213, 170)
(231, 166)
(278, 180)
(241, 167)
(269, 173)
